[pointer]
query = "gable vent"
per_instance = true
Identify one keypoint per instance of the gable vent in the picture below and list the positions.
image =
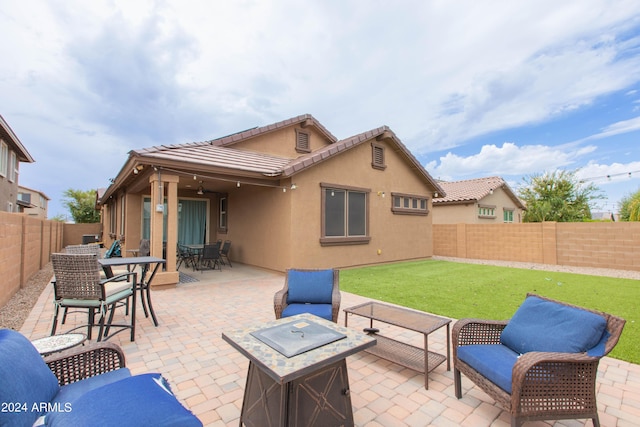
(377, 156)
(303, 144)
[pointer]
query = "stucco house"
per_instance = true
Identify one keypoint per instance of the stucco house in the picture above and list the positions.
(289, 194)
(487, 200)
(12, 152)
(33, 202)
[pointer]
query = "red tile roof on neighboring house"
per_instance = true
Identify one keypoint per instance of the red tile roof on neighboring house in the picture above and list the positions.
(473, 190)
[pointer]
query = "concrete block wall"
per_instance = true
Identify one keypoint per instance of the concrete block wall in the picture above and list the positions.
(589, 244)
(25, 247)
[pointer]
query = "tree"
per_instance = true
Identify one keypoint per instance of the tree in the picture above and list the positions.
(630, 207)
(81, 204)
(557, 196)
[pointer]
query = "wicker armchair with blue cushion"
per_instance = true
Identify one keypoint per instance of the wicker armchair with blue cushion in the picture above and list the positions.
(86, 386)
(541, 364)
(309, 291)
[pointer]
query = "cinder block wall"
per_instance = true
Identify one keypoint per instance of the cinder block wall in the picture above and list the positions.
(25, 247)
(589, 244)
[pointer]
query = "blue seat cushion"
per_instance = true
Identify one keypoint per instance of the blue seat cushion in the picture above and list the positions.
(71, 392)
(495, 362)
(141, 400)
(313, 287)
(320, 310)
(25, 380)
(541, 325)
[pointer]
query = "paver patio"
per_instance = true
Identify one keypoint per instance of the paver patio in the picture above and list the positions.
(208, 375)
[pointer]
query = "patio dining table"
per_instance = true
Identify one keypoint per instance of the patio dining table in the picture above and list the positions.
(144, 283)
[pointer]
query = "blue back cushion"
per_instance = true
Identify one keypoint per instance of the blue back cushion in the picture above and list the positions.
(25, 379)
(540, 325)
(314, 287)
(142, 400)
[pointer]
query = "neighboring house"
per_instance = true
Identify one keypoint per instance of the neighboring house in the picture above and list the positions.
(289, 194)
(12, 152)
(32, 202)
(477, 201)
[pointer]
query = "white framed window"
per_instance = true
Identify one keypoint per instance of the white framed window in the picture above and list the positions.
(13, 166)
(486, 211)
(223, 214)
(122, 215)
(4, 158)
(507, 215)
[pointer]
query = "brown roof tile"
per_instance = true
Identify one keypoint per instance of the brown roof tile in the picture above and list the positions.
(223, 157)
(473, 190)
(253, 132)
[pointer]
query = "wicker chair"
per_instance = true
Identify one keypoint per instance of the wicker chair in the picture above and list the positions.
(92, 248)
(309, 291)
(78, 285)
(88, 385)
(544, 384)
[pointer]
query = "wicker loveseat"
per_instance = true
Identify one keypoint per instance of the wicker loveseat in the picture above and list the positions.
(541, 364)
(87, 386)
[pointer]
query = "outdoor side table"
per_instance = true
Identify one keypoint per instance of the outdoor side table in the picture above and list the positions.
(56, 343)
(311, 388)
(412, 357)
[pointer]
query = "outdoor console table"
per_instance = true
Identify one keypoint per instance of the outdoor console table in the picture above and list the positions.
(144, 284)
(416, 358)
(309, 389)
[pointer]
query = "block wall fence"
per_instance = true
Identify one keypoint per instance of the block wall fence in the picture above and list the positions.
(26, 245)
(585, 244)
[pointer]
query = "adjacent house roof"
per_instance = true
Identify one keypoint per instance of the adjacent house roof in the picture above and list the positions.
(474, 190)
(10, 138)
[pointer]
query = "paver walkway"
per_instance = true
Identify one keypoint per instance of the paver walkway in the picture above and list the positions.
(208, 375)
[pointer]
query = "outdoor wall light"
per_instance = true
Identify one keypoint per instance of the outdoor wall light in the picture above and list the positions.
(293, 186)
(381, 193)
(137, 169)
(238, 184)
(200, 191)
(435, 195)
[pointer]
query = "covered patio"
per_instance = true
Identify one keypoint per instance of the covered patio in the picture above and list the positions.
(208, 375)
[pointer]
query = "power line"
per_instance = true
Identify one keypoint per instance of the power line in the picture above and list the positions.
(609, 176)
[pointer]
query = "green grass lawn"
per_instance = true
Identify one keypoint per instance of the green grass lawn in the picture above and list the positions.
(460, 290)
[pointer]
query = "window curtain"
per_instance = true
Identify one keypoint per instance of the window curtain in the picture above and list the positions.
(192, 222)
(192, 217)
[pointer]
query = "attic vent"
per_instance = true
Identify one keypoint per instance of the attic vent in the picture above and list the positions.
(377, 156)
(303, 144)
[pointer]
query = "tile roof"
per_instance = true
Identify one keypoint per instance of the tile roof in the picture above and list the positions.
(473, 190)
(317, 156)
(205, 154)
(253, 132)
(219, 153)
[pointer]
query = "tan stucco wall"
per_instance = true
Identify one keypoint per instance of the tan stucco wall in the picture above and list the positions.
(396, 236)
(282, 142)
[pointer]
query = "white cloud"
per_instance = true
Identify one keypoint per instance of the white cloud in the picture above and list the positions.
(509, 159)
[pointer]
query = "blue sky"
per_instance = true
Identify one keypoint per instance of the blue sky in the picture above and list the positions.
(472, 88)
